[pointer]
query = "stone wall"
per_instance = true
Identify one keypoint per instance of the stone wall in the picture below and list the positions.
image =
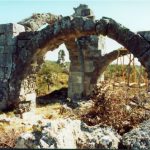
(8, 46)
(14, 92)
(145, 35)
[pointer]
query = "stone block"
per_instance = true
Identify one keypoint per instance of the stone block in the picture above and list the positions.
(92, 54)
(91, 87)
(21, 43)
(8, 72)
(10, 49)
(14, 28)
(75, 68)
(86, 12)
(11, 40)
(7, 59)
(89, 25)
(2, 28)
(70, 89)
(87, 89)
(2, 73)
(2, 59)
(2, 49)
(87, 79)
(2, 39)
(25, 35)
(77, 87)
(18, 28)
(3, 104)
(75, 63)
(95, 53)
(75, 90)
(101, 42)
(76, 77)
(145, 34)
(88, 65)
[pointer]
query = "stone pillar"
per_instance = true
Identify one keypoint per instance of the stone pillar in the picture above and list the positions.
(75, 83)
(84, 55)
(84, 68)
(91, 47)
(8, 33)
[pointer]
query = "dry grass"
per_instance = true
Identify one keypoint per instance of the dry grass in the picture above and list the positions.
(54, 111)
(10, 131)
(119, 108)
(8, 137)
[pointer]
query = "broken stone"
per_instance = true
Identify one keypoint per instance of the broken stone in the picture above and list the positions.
(69, 134)
(138, 138)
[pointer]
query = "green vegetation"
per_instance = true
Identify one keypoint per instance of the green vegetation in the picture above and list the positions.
(52, 76)
(134, 73)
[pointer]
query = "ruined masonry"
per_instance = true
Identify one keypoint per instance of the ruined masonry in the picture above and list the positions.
(8, 47)
(84, 61)
(23, 46)
(84, 52)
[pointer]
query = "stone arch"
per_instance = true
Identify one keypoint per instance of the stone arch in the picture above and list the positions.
(70, 28)
(36, 44)
(32, 45)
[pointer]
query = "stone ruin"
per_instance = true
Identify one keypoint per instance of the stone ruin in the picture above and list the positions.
(23, 46)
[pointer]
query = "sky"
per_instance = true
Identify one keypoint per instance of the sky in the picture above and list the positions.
(133, 14)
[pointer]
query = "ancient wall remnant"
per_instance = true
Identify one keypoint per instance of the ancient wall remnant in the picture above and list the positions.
(21, 53)
(8, 46)
(83, 52)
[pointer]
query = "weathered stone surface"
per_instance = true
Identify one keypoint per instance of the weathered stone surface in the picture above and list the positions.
(14, 29)
(69, 134)
(89, 66)
(3, 94)
(145, 35)
(138, 138)
(83, 10)
(2, 49)
(10, 49)
(19, 51)
(2, 28)
(10, 40)
(34, 22)
(2, 39)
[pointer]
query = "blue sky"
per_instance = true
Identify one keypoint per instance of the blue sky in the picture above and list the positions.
(133, 14)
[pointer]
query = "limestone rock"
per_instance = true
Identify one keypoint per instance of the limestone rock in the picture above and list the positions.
(34, 22)
(138, 138)
(69, 134)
